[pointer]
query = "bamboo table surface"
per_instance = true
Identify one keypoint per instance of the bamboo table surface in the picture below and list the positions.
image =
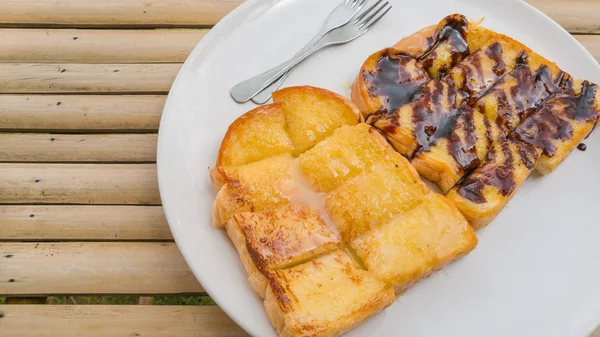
(82, 87)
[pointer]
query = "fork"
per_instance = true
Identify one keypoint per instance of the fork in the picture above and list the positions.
(340, 16)
(356, 27)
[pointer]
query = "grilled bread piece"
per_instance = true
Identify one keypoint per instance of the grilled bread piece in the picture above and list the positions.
(244, 143)
(518, 94)
(389, 77)
(478, 71)
(485, 192)
(278, 238)
(444, 138)
(349, 151)
(456, 147)
(374, 196)
(324, 297)
(300, 117)
(312, 114)
(253, 187)
(418, 242)
(561, 123)
(410, 126)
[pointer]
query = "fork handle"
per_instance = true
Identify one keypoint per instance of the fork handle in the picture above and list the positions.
(245, 90)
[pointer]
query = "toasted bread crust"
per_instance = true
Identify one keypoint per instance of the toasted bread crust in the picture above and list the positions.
(355, 297)
(235, 152)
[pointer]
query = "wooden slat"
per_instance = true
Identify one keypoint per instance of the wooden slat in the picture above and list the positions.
(92, 78)
(591, 43)
(81, 112)
(79, 183)
(116, 320)
(38, 147)
(577, 16)
(97, 46)
(94, 268)
(116, 12)
(39, 222)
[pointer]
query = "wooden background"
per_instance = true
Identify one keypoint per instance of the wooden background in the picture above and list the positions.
(82, 87)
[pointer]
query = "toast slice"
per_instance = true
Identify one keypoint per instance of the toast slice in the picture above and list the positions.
(324, 297)
(481, 69)
(300, 117)
(486, 191)
(561, 123)
(389, 77)
(387, 80)
(518, 94)
(453, 39)
(349, 151)
(456, 147)
(253, 187)
(374, 196)
(280, 237)
(311, 114)
(413, 125)
(416, 243)
(244, 144)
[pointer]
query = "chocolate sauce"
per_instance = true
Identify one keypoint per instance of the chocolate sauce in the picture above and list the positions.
(435, 107)
(494, 52)
(522, 59)
(452, 31)
(464, 151)
(528, 92)
(498, 172)
(397, 77)
(581, 147)
(553, 120)
(472, 73)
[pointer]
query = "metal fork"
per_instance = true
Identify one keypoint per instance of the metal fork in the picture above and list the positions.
(357, 26)
(340, 16)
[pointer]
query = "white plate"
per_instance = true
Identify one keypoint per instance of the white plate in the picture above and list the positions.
(536, 271)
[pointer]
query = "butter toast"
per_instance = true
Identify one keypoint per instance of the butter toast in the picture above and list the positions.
(374, 196)
(278, 238)
(311, 114)
(349, 151)
(244, 144)
(253, 187)
(324, 297)
(416, 243)
(292, 216)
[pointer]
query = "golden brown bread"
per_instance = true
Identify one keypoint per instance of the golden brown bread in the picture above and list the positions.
(456, 148)
(386, 80)
(561, 123)
(290, 219)
(444, 138)
(324, 297)
(253, 187)
(311, 114)
(418, 242)
(243, 143)
(518, 94)
(389, 77)
(374, 196)
(410, 126)
(486, 191)
(300, 117)
(278, 238)
(349, 151)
